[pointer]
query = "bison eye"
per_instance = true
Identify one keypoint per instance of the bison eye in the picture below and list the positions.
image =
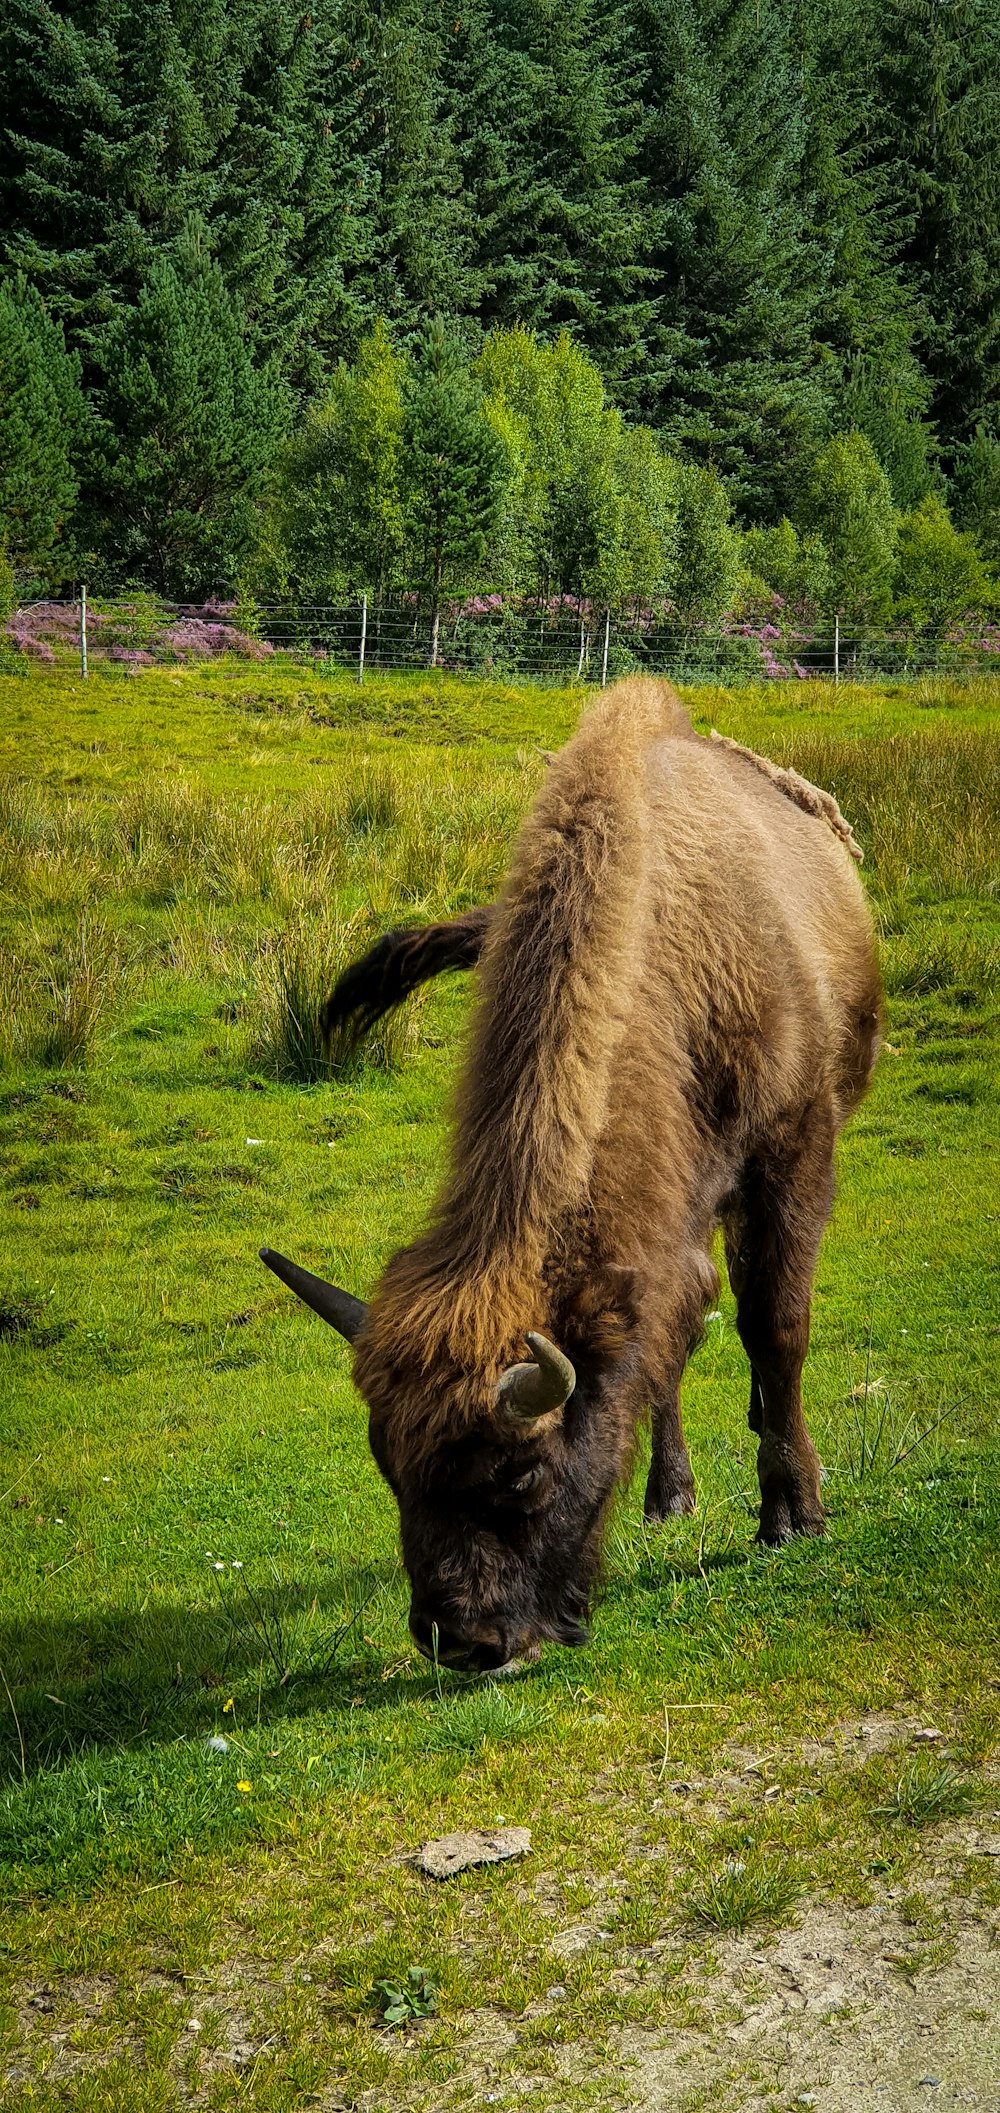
(525, 1482)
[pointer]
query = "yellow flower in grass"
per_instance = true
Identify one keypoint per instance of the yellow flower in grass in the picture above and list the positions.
(243, 1784)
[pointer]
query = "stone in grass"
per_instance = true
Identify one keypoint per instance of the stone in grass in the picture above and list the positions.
(452, 1853)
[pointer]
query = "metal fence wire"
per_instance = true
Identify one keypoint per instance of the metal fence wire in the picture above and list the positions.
(558, 639)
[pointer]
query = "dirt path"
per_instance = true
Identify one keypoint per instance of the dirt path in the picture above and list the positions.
(828, 2016)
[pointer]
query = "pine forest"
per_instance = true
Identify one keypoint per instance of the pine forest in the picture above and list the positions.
(680, 304)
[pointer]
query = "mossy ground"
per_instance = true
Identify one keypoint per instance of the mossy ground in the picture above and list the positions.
(167, 1410)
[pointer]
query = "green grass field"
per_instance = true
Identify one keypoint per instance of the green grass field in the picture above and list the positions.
(195, 1543)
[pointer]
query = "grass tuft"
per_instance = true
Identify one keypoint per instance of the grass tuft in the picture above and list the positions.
(296, 974)
(79, 984)
(743, 1893)
(929, 1790)
(52, 999)
(284, 1626)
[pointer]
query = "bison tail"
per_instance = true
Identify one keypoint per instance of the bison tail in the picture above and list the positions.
(395, 966)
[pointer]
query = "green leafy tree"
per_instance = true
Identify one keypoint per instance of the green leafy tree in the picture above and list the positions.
(707, 563)
(848, 502)
(940, 575)
(794, 567)
(454, 470)
(649, 528)
(8, 592)
(339, 508)
(566, 497)
(189, 430)
(41, 417)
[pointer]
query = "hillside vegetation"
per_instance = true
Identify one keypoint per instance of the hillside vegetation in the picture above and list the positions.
(507, 300)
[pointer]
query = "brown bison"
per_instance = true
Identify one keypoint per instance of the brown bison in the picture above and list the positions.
(679, 1005)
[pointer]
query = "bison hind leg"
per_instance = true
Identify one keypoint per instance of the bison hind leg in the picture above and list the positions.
(773, 1232)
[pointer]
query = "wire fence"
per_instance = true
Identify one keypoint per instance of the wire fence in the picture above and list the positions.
(559, 639)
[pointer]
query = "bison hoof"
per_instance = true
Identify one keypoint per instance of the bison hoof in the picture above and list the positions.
(783, 1517)
(660, 1504)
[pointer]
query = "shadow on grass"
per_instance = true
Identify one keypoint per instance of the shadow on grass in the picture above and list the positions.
(132, 1677)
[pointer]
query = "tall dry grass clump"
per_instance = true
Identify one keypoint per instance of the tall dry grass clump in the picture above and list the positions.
(923, 806)
(296, 972)
(52, 999)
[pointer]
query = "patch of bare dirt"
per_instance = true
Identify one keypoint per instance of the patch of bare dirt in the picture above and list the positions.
(828, 2016)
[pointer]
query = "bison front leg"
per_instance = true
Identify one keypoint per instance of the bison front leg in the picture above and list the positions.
(670, 1488)
(785, 1202)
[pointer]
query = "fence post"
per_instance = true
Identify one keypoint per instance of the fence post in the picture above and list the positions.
(583, 642)
(83, 632)
(607, 642)
(836, 647)
(364, 634)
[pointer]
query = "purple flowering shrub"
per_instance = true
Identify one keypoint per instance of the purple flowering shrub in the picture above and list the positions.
(135, 634)
(198, 638)
(772, 628)
(974, 635)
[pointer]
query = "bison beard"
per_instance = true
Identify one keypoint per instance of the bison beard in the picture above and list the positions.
(679, 1006)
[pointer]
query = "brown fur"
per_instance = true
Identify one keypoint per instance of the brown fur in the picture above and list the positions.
(678, 1007)
(811, 798)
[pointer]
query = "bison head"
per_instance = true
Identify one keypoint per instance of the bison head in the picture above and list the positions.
(501, 1519)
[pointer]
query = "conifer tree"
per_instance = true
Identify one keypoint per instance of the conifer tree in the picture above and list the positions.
(938, 78)
(116, 125)
(976, 493)
(869, 312)
(417, 255)
(41, 417)
(733, 376)
(189, 429)
(548, 117)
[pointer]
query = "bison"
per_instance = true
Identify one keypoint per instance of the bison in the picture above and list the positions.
(678, 1007)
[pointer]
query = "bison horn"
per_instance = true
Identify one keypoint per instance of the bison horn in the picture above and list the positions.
(540, 1389)
(343, 1312)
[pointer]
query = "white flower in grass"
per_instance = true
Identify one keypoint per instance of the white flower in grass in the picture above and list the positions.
(218, 1566)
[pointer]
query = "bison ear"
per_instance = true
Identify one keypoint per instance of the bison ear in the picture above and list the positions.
(346, 1314)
